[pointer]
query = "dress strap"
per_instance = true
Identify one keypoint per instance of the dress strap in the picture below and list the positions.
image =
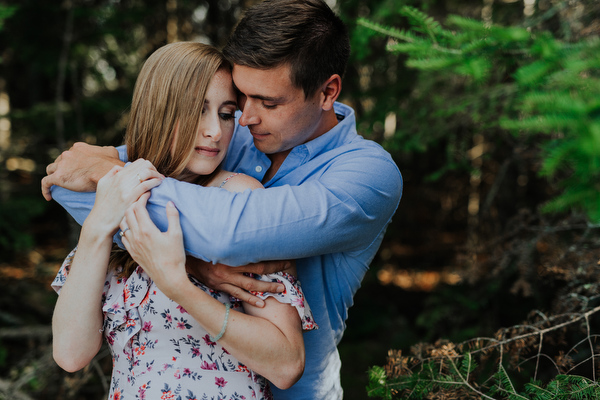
(228, 178)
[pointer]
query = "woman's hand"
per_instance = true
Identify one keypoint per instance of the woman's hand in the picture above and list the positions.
(160, 254)
(119, 189)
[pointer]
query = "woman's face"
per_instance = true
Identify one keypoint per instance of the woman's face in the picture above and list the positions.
(216, 125)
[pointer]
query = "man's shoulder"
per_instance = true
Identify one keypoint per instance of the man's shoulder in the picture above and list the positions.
(360, 148)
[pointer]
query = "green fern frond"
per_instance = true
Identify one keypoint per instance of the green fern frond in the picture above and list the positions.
(577, 65)
(555, 102)
(509, 34)
(377, 386)
(467, 365)
(419, 18)
(564, 387)
(475, 45)
(478, 68)
(504, 379)
(468, 25)
(534, 73)
(414, 49)
(571, 80)
(542, 123)
(569, 198)
(546, 47)
(464, 38)
(387, 30)
(537, 392)
(557, 156)
(432, 64)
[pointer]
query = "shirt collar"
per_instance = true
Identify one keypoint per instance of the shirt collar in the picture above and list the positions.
(342, 133)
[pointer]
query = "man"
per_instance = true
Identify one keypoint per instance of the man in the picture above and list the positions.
(330, 194)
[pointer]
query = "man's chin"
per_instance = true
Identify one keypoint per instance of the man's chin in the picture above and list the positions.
(263, 147)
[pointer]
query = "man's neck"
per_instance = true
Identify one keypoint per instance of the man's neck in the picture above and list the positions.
(277, 160)
(327, 123)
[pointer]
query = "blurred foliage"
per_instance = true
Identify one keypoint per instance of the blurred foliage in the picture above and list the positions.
(488, 92)
(15, 214)
(511, 80)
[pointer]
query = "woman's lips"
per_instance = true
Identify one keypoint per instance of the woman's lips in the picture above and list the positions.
(207, 151)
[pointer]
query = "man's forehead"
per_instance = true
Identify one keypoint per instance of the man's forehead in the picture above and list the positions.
(261, 82)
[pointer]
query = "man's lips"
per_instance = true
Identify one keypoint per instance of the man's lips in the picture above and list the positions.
(258, 135)
(207, 151)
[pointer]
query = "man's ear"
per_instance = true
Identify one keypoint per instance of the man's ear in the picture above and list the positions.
(330, 91)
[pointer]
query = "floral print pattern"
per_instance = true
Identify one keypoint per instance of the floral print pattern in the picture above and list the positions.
(161, 352)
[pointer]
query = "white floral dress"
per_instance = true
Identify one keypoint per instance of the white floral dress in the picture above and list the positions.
(161, 352)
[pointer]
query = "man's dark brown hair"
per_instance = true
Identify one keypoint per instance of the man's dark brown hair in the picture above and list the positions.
(305, 34)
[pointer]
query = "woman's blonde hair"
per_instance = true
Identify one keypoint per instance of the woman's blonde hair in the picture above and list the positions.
(167, 102)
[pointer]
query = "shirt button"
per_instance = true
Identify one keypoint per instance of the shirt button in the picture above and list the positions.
(258, 168)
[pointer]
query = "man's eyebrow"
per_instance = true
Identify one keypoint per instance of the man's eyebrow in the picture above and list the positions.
(266, 98)
(258, 96)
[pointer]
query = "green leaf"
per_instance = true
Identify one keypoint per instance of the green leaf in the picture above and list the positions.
(377, 386)
(432, 64)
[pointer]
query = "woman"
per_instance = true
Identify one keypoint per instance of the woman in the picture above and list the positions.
(170, 336)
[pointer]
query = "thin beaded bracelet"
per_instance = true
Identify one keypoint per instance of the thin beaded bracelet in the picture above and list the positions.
(220, 335)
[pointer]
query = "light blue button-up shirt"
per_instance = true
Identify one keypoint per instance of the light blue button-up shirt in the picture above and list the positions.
(327, 206)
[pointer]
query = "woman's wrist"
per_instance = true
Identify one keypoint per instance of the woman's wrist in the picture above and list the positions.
(97, 230)
(178, 289)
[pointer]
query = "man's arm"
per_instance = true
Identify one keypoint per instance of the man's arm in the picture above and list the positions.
(80, 168)
(344, 210)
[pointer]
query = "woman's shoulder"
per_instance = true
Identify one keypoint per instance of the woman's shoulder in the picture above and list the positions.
(235, 182)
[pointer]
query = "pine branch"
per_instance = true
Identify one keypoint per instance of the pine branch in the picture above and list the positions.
(387, 31)
(574, 318)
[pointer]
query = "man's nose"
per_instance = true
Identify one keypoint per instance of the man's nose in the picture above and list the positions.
(249, 114)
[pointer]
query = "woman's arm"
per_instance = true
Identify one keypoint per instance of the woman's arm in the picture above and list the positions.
(267, 340)
(77, 320)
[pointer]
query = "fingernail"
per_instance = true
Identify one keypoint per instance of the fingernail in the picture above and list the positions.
(260, 303)
(281, 288)
(170, 204)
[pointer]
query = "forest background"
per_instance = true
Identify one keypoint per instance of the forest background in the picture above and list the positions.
(486, 285)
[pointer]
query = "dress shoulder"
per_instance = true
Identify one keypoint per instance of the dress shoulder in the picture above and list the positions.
(238, 182)
(228, 178)
(63, 272)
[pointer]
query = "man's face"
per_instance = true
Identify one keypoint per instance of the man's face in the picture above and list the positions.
(276, 112)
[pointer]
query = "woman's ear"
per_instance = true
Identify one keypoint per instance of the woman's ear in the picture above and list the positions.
(330, 91)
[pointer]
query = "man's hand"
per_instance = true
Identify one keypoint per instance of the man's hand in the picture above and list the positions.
(80, 168)
(232, 280)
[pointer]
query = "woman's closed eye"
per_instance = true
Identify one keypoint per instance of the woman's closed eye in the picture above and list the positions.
(227, 116)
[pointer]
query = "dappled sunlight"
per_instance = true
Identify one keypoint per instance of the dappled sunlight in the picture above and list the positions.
(37, 265)
(414, 280)
(19, 163)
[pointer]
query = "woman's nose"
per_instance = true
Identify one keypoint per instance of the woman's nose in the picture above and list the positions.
(212, 129)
